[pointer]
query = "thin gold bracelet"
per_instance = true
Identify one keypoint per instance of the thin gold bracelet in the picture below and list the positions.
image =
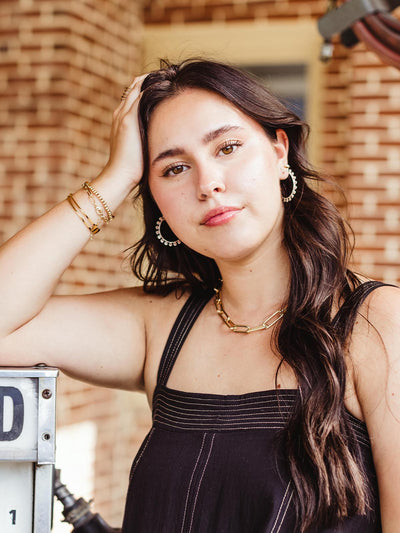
(91, 226)
(98, 207)
(91, 190)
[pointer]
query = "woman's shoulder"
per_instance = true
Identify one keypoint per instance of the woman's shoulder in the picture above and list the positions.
(378, 315)
(139, 295)
(376, 359)
(380, 312)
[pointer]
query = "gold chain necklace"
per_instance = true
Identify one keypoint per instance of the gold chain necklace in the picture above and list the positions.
(238, 328)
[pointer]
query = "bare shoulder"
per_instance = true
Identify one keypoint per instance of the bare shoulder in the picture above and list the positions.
(148, 305)
(384, 304)
(156, 312)
(379, 320)
(374, 344)
(160, 312)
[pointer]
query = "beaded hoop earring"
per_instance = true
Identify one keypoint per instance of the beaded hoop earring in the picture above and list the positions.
(162, 239)
(294, 185)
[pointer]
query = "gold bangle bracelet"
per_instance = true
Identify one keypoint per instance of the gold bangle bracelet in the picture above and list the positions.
(91, 226)
(91, 190)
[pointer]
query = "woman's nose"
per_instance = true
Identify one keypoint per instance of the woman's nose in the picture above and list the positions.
(210, 181)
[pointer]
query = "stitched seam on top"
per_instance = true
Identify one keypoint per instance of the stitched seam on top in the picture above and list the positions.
(165, 359)
(191, 414)
(171, 348)
(200, 402)
(141, 454)
(216, 426)
(264, 396)
(286, 510)
(218, 420)
(280, 509)
(190, 482)
(199, 484)
(177, 345)
(171, 342)
(189, 318)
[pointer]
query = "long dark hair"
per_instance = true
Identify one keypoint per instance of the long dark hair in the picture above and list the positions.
(319, 441)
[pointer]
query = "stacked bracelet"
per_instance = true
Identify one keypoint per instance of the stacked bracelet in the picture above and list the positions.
(91, 226)
(100, 206)
(102, 210)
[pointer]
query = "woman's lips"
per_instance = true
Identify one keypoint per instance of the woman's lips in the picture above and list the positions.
(219, 215)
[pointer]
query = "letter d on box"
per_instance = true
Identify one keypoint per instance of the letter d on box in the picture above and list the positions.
(11, 397)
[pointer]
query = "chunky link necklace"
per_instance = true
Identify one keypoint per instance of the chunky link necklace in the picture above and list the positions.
(238, 328)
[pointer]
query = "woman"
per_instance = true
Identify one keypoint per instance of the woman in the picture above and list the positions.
(275, 396)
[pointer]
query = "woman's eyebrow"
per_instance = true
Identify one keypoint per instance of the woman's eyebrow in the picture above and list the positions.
(208, 137)
(172, 152)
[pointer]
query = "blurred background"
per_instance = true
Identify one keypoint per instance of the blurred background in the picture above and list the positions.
(64, 64)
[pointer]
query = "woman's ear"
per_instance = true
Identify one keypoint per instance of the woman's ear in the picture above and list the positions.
(281, 145)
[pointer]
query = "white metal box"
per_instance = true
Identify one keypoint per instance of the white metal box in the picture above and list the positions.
(27, 448)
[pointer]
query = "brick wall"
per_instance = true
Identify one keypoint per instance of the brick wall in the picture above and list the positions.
(64, 65)
(374, 164)
(187, 11)
(360, 122)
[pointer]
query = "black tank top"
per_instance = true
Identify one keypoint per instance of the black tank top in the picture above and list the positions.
(211, 463)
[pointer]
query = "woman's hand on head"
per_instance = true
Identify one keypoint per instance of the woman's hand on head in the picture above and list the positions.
(126, 157)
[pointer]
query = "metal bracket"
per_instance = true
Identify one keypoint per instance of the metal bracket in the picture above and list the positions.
(46, 421)
(339, 19)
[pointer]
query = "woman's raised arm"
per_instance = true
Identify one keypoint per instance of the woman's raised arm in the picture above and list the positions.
(31, 263)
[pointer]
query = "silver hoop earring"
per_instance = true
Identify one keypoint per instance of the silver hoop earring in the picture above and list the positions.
(162, 239)
(294, 185)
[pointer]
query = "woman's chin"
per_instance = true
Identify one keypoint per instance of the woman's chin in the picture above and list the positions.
(232, 252)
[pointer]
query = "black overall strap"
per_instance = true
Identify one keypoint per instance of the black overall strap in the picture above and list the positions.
(180, 330)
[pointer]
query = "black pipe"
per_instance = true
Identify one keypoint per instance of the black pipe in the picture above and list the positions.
(77, 511)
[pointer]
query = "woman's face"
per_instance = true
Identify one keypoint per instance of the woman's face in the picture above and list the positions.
(215, 175)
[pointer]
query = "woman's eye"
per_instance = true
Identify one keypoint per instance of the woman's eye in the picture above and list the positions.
(229, 148)
(174, 170)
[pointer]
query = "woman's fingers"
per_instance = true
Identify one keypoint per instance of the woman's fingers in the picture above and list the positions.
(131, 93)
(125, 142)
